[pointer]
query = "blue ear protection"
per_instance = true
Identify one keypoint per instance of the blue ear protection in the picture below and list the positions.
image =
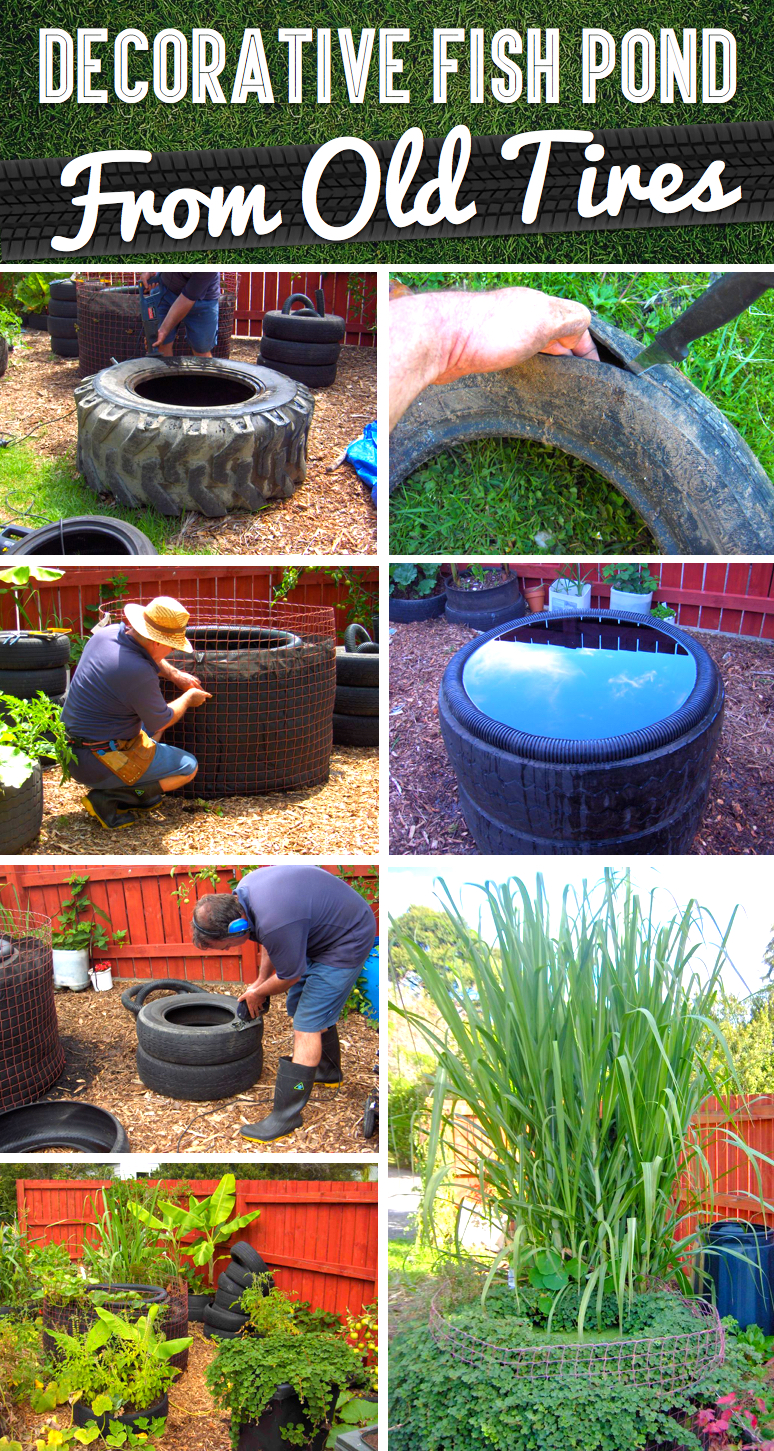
(241, 925)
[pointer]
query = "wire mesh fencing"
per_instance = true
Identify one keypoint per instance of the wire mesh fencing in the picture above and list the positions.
(31, 1055)
(271, 672)
(110, 325)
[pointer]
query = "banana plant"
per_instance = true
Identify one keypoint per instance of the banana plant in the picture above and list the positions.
(209, 1218)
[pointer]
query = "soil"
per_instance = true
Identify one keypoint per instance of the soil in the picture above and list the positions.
(341, 815)
(371, 1438)
(424, 813)
(99, 1038)
(331, 513)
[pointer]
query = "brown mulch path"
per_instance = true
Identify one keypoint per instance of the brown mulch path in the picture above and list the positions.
(331, 513)
(341, 815)
(424, 813)
(99, 1038)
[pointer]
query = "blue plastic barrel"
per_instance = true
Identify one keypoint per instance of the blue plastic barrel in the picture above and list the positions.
(369, 982)
(739, 1261)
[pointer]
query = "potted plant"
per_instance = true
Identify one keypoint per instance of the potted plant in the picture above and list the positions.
(631, 587)
(535, 597)
(29, 730)
(33, 292)
(416, 592)
(483, 596)
(209, 1218)
(663, 611)
(119, 1369)
(570, 593)
(73, 939)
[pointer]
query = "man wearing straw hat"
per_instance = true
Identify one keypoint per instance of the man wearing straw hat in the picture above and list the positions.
(115, 712)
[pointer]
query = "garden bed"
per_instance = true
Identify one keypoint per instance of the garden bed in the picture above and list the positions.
(424, 812)
(330, 513)
(99, 1038)
(342, 815)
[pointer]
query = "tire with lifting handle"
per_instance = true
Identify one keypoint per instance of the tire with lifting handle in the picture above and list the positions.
(133, 998)
(303, 344)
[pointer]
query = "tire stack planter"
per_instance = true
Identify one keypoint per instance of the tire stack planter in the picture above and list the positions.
(76, 1318)
(192, 433)
(356, 708)
(485, 609)
(224, 1319)
(62, 318)
(83, 534)
(29, 663)
(189, 1048)
(303, 344)
(407, 612)
(83, 1414)
(31, 1055)
(285, 1409)
(110, 325)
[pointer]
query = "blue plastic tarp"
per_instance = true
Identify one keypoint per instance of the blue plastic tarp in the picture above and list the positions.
(362, 456)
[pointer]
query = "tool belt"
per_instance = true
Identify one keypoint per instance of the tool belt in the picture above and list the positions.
(128, 760)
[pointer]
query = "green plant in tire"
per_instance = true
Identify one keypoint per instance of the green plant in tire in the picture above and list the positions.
(117, 1363)
(211, 1219)
(419, 579)
(16, 583)
(583, 1049)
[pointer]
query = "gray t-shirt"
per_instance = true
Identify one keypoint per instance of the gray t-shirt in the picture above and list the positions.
(299, 913)
(115, 689)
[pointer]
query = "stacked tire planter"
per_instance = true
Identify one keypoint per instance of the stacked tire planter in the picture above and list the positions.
(189, 1047)
(29, 663)
(31, 1054)
(485, 609)
(62, 315)
(303, 344)
(224, 1319)
(131, 1301)
(356, 708)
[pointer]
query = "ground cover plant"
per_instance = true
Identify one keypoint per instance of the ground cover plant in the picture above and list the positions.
(513, 496)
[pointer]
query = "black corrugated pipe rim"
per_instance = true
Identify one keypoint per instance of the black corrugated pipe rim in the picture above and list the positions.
(707, 689)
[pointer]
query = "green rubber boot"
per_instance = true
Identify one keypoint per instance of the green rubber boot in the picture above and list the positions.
(295, 1082)
(329, 1072)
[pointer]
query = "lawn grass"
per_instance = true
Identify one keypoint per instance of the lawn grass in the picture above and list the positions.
(511, 496)
(31, 130)
(35, 491)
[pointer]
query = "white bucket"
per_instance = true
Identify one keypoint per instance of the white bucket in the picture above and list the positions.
(625, 601)
(71, 968)
(102, 981)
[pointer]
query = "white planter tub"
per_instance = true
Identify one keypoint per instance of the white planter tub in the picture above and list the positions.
(71, 968)
(627, 603)
(560, 602)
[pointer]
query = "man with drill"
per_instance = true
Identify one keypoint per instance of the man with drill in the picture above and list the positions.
(115, 713)
(315, 933)
(172, 298)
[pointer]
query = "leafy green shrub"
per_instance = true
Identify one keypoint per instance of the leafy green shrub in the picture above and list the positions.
(414, 580)
(407, 1097)
(246, 1372)
(125, 1363)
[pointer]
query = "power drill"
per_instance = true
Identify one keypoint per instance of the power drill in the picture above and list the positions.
(243, 1012)
(149, 302)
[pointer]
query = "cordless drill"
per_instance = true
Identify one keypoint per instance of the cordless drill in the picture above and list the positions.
(149, 307)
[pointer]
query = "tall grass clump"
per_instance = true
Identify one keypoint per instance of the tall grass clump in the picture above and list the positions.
(584, 1049)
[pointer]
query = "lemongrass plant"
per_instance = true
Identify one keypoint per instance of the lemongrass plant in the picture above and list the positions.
(584, 1051)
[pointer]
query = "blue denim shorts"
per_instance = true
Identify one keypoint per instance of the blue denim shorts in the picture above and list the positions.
(315, 1001)
(167, 761)
(201, 323)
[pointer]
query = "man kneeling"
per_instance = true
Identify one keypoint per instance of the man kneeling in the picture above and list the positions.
(115, 713)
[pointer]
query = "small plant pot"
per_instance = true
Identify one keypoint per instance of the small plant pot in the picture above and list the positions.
(361, 1438)
(485, 609)
(101, 979)
(632, 604)
(71, 968)
(406, 612)
(284, 1409)
(535, 598)
(561, 602)
(197, 1304)
(82, 1414)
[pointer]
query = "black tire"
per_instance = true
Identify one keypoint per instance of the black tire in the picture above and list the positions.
(62, 289)
(303, 326)
(210, 1333)
(355, 730)
(63, 307)
(36, 321)
(406, 612)
(369, 1121)
(65, 347)
(358, 670)
(33, 652)
(134, 997)
(150, 452)
(219, 1319)
(199, 1083)
(197, 1305)
(356, 700)
(21, 813)
(198, 1030)
(284, 350)
(229, 1286)
(83, 1414)
(240, 1275)
(370, 648)
(86, 534)
(354, 636)
(310, 375)
(485, 609)
(671, 452)
(61, 327)
(243, 1253)
(79, 1126)
(26, 683)
(3, 355)
(228, 1300)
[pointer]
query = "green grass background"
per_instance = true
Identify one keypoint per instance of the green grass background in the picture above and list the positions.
(513, 496)
(30, 130)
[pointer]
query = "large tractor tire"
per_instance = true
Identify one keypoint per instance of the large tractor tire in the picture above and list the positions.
(190, 433)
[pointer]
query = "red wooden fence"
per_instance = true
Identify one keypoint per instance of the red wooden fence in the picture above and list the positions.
(319, 1238)
(139, 899)
(65, 601)
(350, 294)
(735, 598)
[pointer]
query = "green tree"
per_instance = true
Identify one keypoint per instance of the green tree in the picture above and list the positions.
(9, 1173)
(434, 932)
(748, 1027)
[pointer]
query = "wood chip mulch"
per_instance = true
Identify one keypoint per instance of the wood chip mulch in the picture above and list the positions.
(331, 513)
(100, 1040)
(425, 817)
(341, 815)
